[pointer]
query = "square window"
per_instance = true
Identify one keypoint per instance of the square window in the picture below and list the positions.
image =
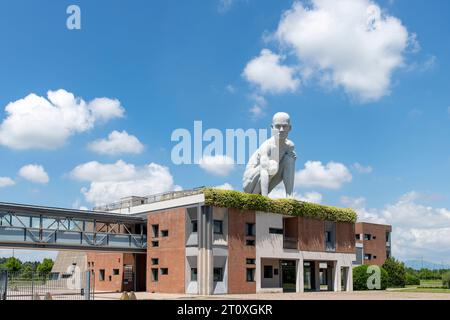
(194, 225)
(358, 236)
(268, 272)
(367, 236)
(250, 242)
(115, 272)
(193, 274)
(250, 229)
(155, 261)
(164, 271)
(218, 226)
(164, 233)
(367, 256)
(155, 275)
(250, 261)
(155, 243)
(101, 275)
(218, 274)
(250, 274)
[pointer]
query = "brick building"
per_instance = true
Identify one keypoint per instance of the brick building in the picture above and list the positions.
(373, 243)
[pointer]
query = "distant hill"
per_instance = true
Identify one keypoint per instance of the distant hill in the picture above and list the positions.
(418, 264)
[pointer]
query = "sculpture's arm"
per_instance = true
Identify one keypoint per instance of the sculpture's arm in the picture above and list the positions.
(264, 171)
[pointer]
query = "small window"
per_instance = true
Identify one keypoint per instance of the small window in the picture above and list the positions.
(115, 272)
(155, 261)
(328, 236)
(164, 271)
(374, 237)
(358, 236)
(193, 274)
(374, 257)
(275, 231)
(250, 242)
(194, 225)
(89, 264)
(250, 274)
(155, 230)
(218, 274)
(268, 272)
(155, 275)
(92, 264)
(101, 275)
(367, 256)
(250, 261)
(110, 278)
(218, 226)
(250, 229)
(164, 233)
(367, 236)
(155, 243)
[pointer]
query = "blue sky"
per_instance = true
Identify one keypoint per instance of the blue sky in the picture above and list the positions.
(169, 63)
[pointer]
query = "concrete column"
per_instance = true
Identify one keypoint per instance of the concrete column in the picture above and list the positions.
(300, 287)
(337, 276)
(317, 274)
(205, 254)
(258, 273)
(350, 279)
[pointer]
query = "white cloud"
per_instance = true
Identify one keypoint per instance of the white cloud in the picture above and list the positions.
(312, 197)
(117, 143)
(225, 5)
(225, 186)
(111, 182)
(36, 122)
(6, 182)
(351, 44)
(266, 72)
(217, 165)
(34, 173)
(418, 229)
(315, 174)
(259, 104)
(362, 169)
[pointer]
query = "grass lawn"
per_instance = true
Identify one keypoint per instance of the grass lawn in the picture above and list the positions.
(426, 286)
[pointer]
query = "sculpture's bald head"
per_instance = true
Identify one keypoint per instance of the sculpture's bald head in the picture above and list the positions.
(281, 125)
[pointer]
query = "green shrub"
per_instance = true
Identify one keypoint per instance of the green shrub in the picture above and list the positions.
(446, 280)
(245, 201)
(362, 273)
(396, 273)
(412, 280)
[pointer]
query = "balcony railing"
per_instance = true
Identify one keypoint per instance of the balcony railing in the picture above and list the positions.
(290, 243)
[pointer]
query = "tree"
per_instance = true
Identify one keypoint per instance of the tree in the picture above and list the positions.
(361, 276)
(446, 279)
(45, 267)
(396, 273)
(411, 279)
(13, 264)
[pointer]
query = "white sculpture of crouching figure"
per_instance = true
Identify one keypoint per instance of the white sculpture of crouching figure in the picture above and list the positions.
(273, 162)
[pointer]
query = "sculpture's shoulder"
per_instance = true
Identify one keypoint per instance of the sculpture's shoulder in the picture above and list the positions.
(290, 145)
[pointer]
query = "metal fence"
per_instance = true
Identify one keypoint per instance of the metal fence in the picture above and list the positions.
(53, 286)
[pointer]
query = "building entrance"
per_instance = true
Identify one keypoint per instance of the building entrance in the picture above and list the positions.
(288, 275)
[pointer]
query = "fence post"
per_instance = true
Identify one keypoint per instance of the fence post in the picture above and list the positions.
(3, 284)
(87, 289)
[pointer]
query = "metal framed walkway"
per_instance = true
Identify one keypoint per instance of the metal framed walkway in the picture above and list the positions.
(36, 227)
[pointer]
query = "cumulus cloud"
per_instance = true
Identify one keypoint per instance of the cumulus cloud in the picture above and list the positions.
(331, 176)
(34, 173)
(36, 122)
(362, 169)
(225, 186)
(117, 143)
(418, 229)
(352, 44)
(6, 182)
(111, 182)
(269, 75)
(312, 197)
(217, 165)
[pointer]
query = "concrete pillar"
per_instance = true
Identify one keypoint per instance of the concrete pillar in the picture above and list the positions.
(258, 273)
(337, 276)
(317, 274)
(350, 279)
(205, 254)
(300, 286)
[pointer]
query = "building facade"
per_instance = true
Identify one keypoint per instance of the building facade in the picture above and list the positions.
(373, 243)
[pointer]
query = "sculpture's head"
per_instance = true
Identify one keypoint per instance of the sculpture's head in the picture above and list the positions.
(281, 125)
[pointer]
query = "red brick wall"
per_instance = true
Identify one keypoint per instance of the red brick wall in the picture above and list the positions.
(345, 237)
(238, 252)
(375, 247)
(108, 262)
(171, 251)
(311, 234)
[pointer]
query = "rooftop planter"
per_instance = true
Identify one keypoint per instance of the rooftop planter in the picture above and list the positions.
(245, 201)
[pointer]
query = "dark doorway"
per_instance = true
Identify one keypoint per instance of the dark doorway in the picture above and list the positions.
(141, 272)
(309, 279)
(288, 275)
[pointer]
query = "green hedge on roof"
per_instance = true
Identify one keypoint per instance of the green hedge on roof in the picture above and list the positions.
(246, 201)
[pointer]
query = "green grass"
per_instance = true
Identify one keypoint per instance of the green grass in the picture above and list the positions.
(431, 283)
(426, 286)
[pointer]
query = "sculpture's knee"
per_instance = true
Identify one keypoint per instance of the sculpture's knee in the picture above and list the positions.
(288, 162)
